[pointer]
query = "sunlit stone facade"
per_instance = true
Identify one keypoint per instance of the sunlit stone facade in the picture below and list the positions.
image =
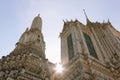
(90, 52)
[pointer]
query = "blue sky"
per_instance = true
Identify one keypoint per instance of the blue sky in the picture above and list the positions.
(17, 15)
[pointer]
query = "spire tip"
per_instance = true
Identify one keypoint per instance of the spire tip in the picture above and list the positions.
(86, 16)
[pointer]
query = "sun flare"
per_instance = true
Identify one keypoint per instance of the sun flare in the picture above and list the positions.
(59, 68)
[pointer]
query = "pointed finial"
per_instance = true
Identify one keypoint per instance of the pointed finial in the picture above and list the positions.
(38, 14)
(108, 20)
(71, 20)
(63, 21)
(66, 20)
(86, 16)
(26, 29)
(85, 13)
(76, 20)
(103, 21)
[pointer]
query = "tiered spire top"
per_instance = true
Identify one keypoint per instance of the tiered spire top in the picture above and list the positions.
(37, 23)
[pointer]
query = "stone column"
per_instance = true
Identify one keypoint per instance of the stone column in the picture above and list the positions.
(83, 44)
(64, 50)
(98, 43)
(96, 46)
(114, 41)
(74, 36)
(102, 44)
(76, 40)
(106, 42)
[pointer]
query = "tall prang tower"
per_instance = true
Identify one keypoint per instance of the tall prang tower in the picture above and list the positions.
(27, 61)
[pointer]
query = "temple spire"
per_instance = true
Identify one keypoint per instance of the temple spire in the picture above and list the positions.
(87, 19)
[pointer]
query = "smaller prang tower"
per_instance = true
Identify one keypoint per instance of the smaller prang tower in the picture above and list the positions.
(27, 61)
(91, 51)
